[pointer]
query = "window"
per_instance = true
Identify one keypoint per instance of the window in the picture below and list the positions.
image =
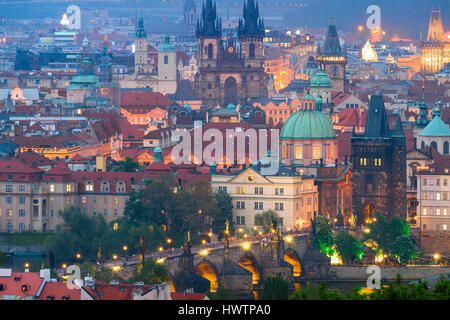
(259, 190)
(94, 199)
(68, 187)
(444, 227)
(438, 196)
(299, 152)
(279, 206)
(83, 210)
(424, 211)
(21, 226)
(68, 201)
(424, 227)
(105, 186)
(284, 150)
(377, 162)
(52, 213)
(9, 212)
(425, 195)
(317, 152)
(105, 212)
(438, 211)
(444, 196)
(52, 188)
(438, 227)
(240, 190)
(9, 226)
(444, 211)
(21, 213)
(8, 188)
(240, 205)
(94, 212)
(21, 188)
(424, 181)
(116, 200)
(279, 191)
(166, 60)
(89, 187)
(105, 201)
(115, 226)
(8, 200)
(438, 182)
(115, 212)
(121, 187)
(331, 151)
(83, 199)
(258, 206)
(224, 189)
(445, 182)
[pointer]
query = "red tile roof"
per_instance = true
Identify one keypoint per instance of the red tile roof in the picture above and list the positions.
(13, 285)
(187, 296)
(59, 291)
(60, 172)
(149, 100)
(105, 291)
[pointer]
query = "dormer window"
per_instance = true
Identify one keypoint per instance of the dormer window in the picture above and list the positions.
(105, 186)
(121, 187)
(89, 186)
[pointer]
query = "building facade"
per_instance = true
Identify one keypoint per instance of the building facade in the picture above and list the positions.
(379, 166)
(229, 73)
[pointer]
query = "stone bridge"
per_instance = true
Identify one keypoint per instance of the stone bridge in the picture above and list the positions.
(246, 266)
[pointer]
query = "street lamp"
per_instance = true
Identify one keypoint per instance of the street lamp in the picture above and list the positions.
(436, 257)
(64, 266)
(27, 265)
(78, 256)
(169, 241)
(115, 256)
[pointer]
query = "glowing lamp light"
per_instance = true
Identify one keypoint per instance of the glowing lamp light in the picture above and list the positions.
(115, 256)
(289, 239)
(246, 246)
(436, 256)
(366, 230)
(27, 265)
(161, 260)
(116, 268)
(260, 233)
(64, 265)
(169, 241)
(125, 248)
(160, 249)
(360, 28)
(335, 259)
(204, 252)
(78, 255)
(203, 241)
(210, 234)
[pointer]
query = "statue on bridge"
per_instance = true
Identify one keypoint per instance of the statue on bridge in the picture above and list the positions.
(187, 243)
(340, 218)
(314, 243)
(226, 242)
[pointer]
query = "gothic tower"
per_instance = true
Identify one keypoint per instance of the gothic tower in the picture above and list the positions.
(141, 63)
(332, 59)
(379, 166)
(190, 14)
(209, 31)
(251, 33)
(435, 51)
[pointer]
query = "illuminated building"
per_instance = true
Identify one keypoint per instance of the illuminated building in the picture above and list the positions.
(368, 53)
(435, 51)
(332, 59)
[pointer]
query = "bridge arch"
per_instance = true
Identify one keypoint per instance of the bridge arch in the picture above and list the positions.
(249, 262)
(291, 257)
(207, 270)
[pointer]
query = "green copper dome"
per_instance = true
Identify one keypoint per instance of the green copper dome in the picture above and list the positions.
(308, 125)
(167, 46)
(308, 96)
(320, 79)
(436, 128)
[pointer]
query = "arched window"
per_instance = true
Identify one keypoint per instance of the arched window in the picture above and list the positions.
(166, 60)
(434, 144)
(9, 226)
(105, 186)
(89, 186)
(251, 51)
(210, 51)
(446, 147)
(120, 187)
(422, 145)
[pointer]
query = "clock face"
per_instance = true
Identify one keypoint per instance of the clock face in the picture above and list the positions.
(230, 49)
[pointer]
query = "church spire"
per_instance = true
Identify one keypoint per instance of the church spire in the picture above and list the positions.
(209, 25)
(422, 121)
(436, 28)
(140, 32)
(251, 24)
(435, 111)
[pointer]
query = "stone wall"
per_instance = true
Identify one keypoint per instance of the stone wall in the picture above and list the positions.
(387, 272)
(435, 241)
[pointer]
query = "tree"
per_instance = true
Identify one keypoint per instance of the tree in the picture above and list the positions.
(102, 274)
(78, 234)
(382, 234)
(275, 288)
(324, 234)
(151, 273)
(225, 212)
(221, 294)
(127, 165)
(403, 248)
(266, 219)
(348, 248)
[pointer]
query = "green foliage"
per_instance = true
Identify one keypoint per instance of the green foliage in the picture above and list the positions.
(103, 274)
(390, 237)
(348, 247)
(225, 212)
(221, 294)
(79, 234)
(266, 218)
(127, 165)
(275, 288)
(2, 259)
(324, 234)
(151, 273)
(403, 248)
(394, 290)
(157, 206)
(24, 239)
(315, 292)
